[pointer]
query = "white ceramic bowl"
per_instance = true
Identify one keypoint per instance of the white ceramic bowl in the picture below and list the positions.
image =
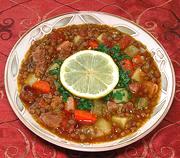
(45, 27)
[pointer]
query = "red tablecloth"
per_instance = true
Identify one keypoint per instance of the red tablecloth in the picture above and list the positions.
(160, 17)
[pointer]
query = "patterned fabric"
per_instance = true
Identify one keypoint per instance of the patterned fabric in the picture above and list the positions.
(160, 17)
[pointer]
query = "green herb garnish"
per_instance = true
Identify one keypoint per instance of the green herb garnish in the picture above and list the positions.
(114, 52)
(84, 104)
(118, 95)
(55, 71)
(124, 79)
(65, 94)
(103, 48)
(115, 49)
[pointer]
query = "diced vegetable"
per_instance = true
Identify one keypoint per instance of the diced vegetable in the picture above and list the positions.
(124, 42)
(131, 51)
(70, 104)
(142, 103)
(120, 95)
(98, 107)
(127, 65)
(93, 44)
(100, 37)
(84, 117)
(120, 121)
(84, 104)
(42, 86)
(31, 79)
(138, 75)
(77, 39)
(103, 127)
(138, 59)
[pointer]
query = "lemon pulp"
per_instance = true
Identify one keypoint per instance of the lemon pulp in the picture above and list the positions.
(89, 74)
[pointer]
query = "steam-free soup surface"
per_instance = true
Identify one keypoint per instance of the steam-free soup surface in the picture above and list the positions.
(116, 115)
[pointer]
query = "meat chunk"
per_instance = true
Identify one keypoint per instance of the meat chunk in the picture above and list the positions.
(150, 88)
(70, 105)
(51, 120)
(39, 60)
(65, 49)
(135, 87)
(112, 106)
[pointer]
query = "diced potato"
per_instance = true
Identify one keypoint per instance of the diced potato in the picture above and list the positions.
(100, 37)
(142, 103)
(31, 79)
(98, 107)
(138, 75)
(120, 95)
(131, 51)
(103, 127)
(121, 121)
(77, 39)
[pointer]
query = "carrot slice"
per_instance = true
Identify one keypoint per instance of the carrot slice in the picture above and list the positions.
(138, 59)
(127, 65)
(42, 86)
(84, 117)
(93, 44)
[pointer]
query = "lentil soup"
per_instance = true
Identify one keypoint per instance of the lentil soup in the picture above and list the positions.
(121, 112)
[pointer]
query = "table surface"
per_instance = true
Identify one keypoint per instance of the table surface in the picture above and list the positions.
(160, 17)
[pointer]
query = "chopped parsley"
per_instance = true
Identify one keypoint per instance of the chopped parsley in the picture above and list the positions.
(115, 49)
(55, 68)
(65, 94)
(103, 48)
(115, 52)
(124, 79)
(84, 104)
(118, 95)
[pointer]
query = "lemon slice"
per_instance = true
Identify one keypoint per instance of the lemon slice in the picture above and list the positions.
(89, 74)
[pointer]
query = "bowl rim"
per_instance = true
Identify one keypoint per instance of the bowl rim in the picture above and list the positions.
(90, 149)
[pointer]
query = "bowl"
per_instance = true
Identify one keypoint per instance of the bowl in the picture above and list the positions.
(45, 27)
